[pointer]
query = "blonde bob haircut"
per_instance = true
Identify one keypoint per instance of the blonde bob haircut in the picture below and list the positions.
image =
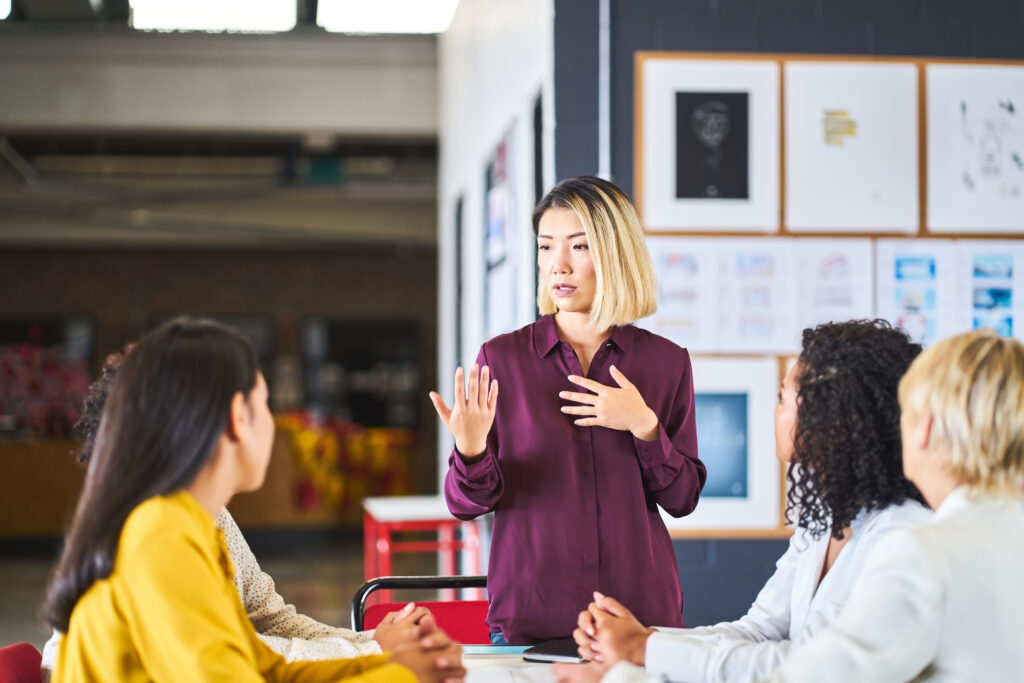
(973, 386)
(626, 289)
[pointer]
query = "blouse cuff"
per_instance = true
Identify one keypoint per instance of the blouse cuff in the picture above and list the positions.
(655, 452)
(477, 469)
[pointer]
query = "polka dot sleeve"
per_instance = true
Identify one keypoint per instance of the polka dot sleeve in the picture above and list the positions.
(292, 635)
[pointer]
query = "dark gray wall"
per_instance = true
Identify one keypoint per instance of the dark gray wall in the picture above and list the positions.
(931, 28)
(721, 578)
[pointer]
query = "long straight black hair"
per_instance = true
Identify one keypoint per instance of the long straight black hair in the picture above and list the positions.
(168, 406)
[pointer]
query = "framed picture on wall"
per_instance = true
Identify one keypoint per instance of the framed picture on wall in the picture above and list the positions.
(500, 239)
(975, 148)
(851, 146)
(707, 144)
(743, 496)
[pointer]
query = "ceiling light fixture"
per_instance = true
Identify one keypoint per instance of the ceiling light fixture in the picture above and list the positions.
(242, 16)
(385, 16)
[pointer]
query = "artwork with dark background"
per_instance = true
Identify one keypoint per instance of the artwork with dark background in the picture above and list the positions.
(712, 145)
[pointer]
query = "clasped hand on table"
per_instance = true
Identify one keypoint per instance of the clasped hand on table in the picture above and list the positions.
(607, 634)
(415, 642)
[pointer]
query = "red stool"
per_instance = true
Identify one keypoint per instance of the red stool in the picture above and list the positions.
(384, 516)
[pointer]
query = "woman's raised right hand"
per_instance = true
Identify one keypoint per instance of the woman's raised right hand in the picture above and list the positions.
(472, 413)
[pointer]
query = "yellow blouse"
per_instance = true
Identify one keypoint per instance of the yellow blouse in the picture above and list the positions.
(170, 612)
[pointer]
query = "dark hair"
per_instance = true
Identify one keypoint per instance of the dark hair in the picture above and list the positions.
(847, 451)
(167, 408)
(568, 193)
(95, 398)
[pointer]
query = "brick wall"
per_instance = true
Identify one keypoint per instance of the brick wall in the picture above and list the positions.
(125, 291)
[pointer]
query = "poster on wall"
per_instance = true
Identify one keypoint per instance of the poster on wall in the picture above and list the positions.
(990, 290)
(851, 147)
(686, 269)
(708, 156)
(834, 280)
(734, 401)
(499, 242)
(975, 148)
(917, 287)
(756, 296)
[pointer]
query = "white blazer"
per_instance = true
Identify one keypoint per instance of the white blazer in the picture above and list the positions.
(790, 608)
(940, 602)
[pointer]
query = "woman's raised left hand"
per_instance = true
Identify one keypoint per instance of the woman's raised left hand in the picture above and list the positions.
(621, 407)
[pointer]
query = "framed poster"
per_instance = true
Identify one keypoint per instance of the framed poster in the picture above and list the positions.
(975, 148)
(916, 287)
(708, 144)
(735, 398)
(500, 241)
(851, 147)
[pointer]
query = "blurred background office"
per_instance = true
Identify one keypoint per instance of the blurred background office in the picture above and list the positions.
(350, 184)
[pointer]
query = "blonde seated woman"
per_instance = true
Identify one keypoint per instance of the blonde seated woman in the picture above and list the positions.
(143, 590)
(294, 636)
(944, 601)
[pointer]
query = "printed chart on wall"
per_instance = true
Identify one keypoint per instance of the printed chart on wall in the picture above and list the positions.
(734, 399)
(975, 148)
(834, 280)
(851, 147)
(756, 295)
(990, 288)
(756, 303)
(917, 287)
(709, 148)
(687, 274)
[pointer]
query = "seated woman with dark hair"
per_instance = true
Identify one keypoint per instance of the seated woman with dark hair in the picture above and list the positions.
(143, 589)
(942, 601)
(837, 425)
(292, 635)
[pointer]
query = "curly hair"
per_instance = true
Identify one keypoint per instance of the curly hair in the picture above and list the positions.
(95, 398)
(847, 450)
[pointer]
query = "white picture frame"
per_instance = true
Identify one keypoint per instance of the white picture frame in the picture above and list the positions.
(851, 139)
(975, 148)
(729, 148)
(759, 511)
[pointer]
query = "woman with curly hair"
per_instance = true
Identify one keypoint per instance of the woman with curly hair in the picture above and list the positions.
(837, 425)
(941, 601)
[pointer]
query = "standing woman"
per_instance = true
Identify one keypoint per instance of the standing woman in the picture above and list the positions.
(143, 590)
(594, 430)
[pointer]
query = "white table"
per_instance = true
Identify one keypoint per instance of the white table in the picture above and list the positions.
(481, 668)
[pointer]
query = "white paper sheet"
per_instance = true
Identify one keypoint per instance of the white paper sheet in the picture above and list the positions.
(975, 148)
(833, 280)
(851, 147)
